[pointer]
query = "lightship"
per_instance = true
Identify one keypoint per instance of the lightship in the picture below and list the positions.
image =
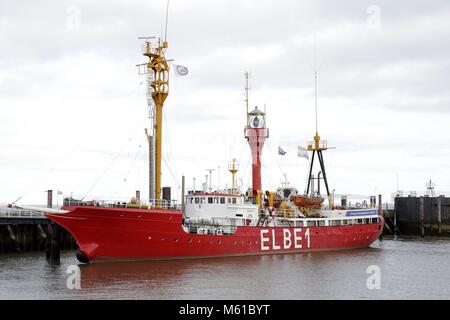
(214, 223)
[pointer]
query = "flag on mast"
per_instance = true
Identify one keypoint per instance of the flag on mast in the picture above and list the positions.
(303, 153)
(180, 70)
(281, 152)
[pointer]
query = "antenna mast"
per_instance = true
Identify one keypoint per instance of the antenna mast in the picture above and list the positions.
(315, 95)
(247, 88)
(167, 19)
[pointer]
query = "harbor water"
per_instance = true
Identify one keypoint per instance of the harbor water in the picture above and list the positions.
(409, 268)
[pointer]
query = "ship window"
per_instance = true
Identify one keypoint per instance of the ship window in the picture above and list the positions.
(210, 200)
(222, 200)
(216, 199)
(336, 223)
(359, 221)
(234, 200)
(344, 222)
(311, 223)
(321, 223)
(203, 200)
(197, 200)
(366, 221)
(228, 200)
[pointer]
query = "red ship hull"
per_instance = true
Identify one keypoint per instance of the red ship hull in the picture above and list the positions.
(114, 234)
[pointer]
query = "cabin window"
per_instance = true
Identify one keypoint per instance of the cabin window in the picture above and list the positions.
(344, 222)
(336, 223)
(359, 221)
(366, 221)
(228, 200)
(222, 200)
(197, 200)
(321, 223)
(311, 223)
(210, 200)
(216, 200)
(234, 200)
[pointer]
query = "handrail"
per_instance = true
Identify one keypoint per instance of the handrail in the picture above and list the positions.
(134, 204)
(17, 213)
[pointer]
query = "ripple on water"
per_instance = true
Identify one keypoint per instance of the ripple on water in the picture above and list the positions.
(411, 268)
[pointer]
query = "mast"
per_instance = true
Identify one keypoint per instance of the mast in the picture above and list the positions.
(158, 68)
(233, 167)
(317, 147)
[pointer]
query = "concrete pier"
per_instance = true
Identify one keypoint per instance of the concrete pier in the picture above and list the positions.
(25, 231)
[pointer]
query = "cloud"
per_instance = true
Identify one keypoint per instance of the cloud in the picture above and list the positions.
(69, 85)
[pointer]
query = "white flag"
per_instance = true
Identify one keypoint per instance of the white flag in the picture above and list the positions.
(302, 152)
(180, 70)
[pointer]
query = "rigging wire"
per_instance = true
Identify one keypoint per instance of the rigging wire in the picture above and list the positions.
(268, 177)
(132, 163)
(114, 159)
(94, 128)
(276, 162)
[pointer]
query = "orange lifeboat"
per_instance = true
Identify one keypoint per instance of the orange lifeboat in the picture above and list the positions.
(308, 202)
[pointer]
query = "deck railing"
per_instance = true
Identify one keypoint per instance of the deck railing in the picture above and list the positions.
(134, 204)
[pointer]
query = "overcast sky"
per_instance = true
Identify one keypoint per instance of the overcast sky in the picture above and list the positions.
(72, 100)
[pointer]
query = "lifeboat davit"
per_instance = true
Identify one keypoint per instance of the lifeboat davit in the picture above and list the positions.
(308, 202)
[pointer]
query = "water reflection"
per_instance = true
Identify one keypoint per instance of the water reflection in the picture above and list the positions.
(410, 268)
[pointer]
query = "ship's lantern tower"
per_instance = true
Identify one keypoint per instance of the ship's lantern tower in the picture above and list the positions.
(256, 134)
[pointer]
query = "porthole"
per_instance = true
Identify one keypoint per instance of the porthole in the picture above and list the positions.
(190, 240)
(162, 238)
(149, 238)
(176, 239)
(234, 242)
(170, 217)
(219, 241)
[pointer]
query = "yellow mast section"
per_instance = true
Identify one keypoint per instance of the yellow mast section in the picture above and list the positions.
(160, 85)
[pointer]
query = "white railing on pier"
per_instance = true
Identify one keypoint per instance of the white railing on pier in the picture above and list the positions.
(18, 213)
